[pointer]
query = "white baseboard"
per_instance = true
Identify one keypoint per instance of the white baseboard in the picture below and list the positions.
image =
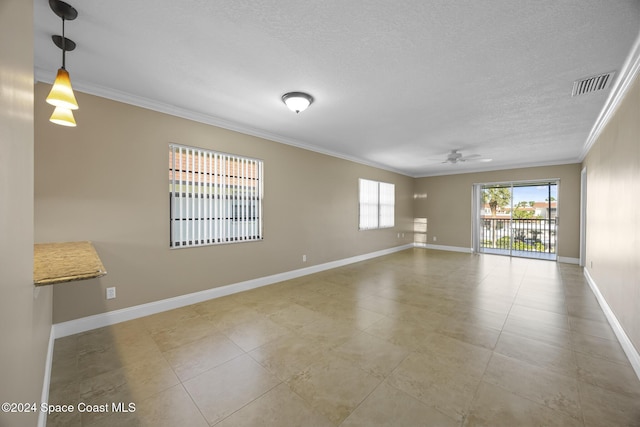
(625, 342)
(444, 248)
(112, 317)
(566, 260)
(42, 416)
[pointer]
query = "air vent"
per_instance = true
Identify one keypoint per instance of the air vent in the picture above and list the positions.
(592, 84)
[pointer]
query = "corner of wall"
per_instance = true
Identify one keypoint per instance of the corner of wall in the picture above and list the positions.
(629, 349)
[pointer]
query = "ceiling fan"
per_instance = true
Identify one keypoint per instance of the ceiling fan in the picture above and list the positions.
(456, 157)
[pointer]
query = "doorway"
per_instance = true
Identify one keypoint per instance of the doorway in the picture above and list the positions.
(518, 219)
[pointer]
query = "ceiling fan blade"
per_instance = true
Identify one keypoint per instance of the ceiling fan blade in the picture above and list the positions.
(477, 160)
(455, 157)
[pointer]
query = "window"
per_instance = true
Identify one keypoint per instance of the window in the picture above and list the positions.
(214, 197)
(377, 204)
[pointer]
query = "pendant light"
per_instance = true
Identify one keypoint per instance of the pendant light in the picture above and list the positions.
(297, 101)
(63, 116)
(61, 95)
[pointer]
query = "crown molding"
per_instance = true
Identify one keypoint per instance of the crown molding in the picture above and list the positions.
(560, 162)
(45, 76)
(626, 77)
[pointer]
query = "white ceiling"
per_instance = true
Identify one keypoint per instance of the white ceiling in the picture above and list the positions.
(397, 84)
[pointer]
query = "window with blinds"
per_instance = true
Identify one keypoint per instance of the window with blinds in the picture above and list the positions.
(214, 197)
(377, 204)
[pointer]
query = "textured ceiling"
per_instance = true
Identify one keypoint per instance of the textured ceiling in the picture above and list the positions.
(397, 84)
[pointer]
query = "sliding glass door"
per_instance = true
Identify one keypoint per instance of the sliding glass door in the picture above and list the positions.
(516, 218)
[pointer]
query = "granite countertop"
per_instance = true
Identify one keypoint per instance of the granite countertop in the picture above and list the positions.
(65, 262)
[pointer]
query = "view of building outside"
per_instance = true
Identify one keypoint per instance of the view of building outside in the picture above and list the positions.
(214, 198)
(520, 218)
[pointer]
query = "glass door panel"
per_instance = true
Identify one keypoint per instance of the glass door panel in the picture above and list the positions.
(495, 219)
(518, 219)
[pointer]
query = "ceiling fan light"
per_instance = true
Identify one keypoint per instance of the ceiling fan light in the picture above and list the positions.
(297, 101)
(61, 94)
(63, 116)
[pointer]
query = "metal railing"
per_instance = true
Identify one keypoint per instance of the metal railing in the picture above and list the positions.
(527, 235)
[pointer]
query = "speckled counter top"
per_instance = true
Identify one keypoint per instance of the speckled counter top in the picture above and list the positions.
(65, 262)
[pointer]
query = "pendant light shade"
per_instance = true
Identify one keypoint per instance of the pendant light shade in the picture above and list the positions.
(297, 101)
(61, 94)
(63, 116)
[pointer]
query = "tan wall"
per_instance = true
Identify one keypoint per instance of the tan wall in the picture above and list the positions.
(613, 213)
(25, 318)
(447, 206)
(107, 181)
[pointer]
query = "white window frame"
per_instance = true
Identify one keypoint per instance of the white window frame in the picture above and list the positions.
(215, 198)
(376, 202)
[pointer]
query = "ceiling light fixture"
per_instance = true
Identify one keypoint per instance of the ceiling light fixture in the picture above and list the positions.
(61, 95)
(297, 101)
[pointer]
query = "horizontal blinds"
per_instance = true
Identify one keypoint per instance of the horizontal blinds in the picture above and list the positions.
(214, 197)
(387, 204)
(377, 204)
(368, 204)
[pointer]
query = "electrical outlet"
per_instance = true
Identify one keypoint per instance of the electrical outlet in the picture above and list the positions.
(111, 293)
(304, 258)
(435, 239)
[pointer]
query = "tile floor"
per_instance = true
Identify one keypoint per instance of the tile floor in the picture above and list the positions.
(416, 338)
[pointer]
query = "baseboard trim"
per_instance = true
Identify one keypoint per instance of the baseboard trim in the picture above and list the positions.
(44, 397)
(88, 323)
(625, 342)
(444, 248)
(569, 260)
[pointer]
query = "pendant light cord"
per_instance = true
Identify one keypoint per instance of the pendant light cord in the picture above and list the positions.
(63, 45)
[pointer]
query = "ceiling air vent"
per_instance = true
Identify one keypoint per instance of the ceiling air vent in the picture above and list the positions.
(592, 84)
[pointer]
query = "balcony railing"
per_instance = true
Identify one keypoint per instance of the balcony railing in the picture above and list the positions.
(523, 235)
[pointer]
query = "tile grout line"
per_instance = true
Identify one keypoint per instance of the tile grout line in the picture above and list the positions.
(493, 352)
(573, 351)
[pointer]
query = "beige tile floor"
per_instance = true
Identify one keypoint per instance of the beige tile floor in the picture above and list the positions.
(417, 338)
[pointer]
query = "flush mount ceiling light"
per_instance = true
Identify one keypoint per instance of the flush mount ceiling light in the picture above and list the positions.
(61, 95)
(297, 101)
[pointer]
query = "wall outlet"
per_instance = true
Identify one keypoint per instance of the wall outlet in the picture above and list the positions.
(304, 258)
(111, 293)
(435, 239)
